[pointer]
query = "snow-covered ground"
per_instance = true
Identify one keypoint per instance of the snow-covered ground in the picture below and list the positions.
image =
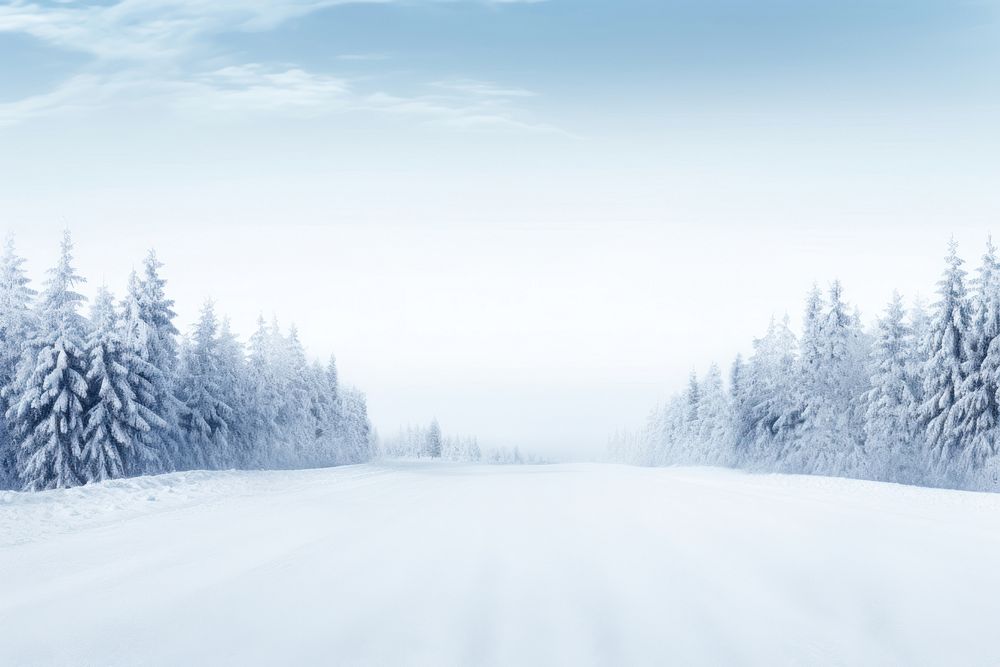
(438, 564)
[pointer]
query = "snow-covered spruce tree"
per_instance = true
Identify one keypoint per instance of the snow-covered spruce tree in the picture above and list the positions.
(156, 311)
(714, 420)
(668, 430)
(204, 415)
(17, 323)
(326, 444)
(293, 416)
(432, 447)
(945, 370)
(977, 413)
(832, 437)
(772, 405)
(335, 416)
(810, 345)
(693, 397)
(357, 428)
(263, 398)
(893, 436)
(739, 410)
(235, 392)
(149, 384)
(47, 397)
(118, 422)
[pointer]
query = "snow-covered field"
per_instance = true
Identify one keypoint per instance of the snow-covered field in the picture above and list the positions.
(437, 564)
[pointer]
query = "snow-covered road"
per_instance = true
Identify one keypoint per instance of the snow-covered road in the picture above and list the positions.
(438, 564)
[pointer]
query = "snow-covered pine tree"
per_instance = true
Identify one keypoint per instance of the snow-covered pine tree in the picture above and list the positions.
(204, 415)
(160, 349)
(17, 323)
(945, 369)
(48, 394)
(693, 396)
(235, 388)
(714, 420)
(811, 341)
(117, 423)
(772, 405)
(738, 408)
(976, 407)
(264, 395)
(893, 435)
(294, 419)
(684, 429)
(433, 445)
(332, 378)
(832, 439)
(149, 385)
(357, 427)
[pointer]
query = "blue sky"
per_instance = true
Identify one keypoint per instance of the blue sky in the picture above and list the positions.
(493, 195)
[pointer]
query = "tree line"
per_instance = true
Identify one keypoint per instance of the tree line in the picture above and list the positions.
(914, 399)
(120, 392)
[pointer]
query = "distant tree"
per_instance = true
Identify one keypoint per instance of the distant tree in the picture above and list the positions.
(433, 447)
(204, 414)
(714, 420)
(357, 428)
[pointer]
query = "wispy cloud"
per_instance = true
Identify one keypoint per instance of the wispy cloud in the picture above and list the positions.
(145, 29)
(482, 88)
(364, 56)
(253, 89)
(150, 29)
(162, 53)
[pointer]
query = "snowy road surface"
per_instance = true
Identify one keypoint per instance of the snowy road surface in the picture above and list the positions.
(437, 564)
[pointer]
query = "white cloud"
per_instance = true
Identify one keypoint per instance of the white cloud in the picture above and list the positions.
(150, 29)
(482, 88)
(160, 53)
(255, 89)
(363, 56)
(155, 29)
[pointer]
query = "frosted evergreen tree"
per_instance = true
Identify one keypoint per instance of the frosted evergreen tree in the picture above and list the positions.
(433, 445)
(156, 311)
(17, 323)
(891, 428)
(811, 342)
(357, 427)
(264, 396)
(294, 417)
(204, 414)
(832, 439)
(773, 406)
(714, 420)
(235, 392)
(118, 423)
(333, 378)
(149, 384)
(976, 408)
(945, 370)
(48, 395)
(693, 397)
(740, 418)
